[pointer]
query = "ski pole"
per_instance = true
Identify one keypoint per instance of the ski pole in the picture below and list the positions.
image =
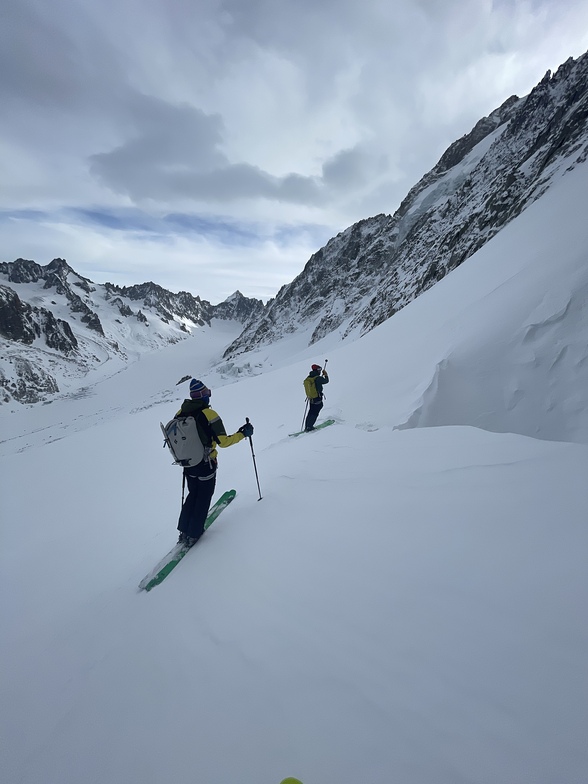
(254, 463)
(324, 371)
(183, 486)
(304, 417)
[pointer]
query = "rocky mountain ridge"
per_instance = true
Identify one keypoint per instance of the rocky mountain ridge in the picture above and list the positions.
(374, 268)
(56, 324)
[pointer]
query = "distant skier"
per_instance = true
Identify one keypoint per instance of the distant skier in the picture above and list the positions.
(201, 478)
(313, 386)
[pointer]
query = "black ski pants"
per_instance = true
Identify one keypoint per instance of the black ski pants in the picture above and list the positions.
(313, 412)
(201, 481)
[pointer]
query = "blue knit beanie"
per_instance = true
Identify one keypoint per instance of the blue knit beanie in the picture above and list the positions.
(199, 391)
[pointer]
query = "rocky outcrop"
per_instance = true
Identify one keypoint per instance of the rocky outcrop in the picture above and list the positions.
(238, 308)
(29, 383)
(24, 323)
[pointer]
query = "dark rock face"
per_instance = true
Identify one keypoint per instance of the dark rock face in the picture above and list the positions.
(164, 302)
(21, 271)
(16, 321)
(123, 309)
(238, 308)
(367, 273)
(22, 323)
(186, 305)
(29, 385)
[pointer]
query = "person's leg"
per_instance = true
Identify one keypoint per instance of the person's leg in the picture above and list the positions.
(201, 483)
(313, 412)
(187, 506)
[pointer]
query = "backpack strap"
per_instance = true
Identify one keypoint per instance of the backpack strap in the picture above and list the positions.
(205, 427)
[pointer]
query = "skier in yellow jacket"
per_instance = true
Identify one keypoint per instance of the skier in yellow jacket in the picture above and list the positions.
(201, 478)
(313, 385)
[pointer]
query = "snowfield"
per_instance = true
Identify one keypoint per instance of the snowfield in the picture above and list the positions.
(406, 603)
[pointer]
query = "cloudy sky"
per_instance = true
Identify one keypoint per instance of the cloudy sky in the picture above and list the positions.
(211, 145)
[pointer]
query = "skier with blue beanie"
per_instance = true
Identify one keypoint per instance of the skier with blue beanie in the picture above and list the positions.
(201, 478)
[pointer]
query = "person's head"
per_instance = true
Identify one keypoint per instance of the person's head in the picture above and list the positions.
(199, 391)
(316, 367)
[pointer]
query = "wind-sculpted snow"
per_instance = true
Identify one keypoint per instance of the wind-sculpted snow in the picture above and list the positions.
(501, 343)
(534, 381)
(484, 180)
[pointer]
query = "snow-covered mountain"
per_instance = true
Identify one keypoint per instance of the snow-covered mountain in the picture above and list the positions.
(365, 274)
(56, 326)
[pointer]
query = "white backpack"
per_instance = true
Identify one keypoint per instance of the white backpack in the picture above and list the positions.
(182, 439)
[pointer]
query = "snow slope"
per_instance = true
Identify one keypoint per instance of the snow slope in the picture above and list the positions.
(502, 343)
(406, 603)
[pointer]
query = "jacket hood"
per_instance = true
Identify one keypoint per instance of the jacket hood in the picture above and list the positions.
(190, 406)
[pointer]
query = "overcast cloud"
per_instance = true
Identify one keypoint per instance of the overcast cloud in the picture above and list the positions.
(211, 145)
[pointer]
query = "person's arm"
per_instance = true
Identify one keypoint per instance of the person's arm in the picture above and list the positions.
(320, 381)
(218, 430)
(224, 441)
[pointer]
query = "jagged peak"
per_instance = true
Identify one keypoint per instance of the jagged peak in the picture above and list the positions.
(58, 264)
(235, 296)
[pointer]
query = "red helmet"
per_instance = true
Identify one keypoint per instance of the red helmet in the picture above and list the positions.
(315, 367)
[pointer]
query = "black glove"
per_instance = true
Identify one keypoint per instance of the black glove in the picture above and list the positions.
(247, 430)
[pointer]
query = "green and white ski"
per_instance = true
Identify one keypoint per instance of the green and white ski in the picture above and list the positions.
(326, 423)
(173, 558)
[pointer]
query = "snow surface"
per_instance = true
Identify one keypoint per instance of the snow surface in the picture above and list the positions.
(406, 604)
